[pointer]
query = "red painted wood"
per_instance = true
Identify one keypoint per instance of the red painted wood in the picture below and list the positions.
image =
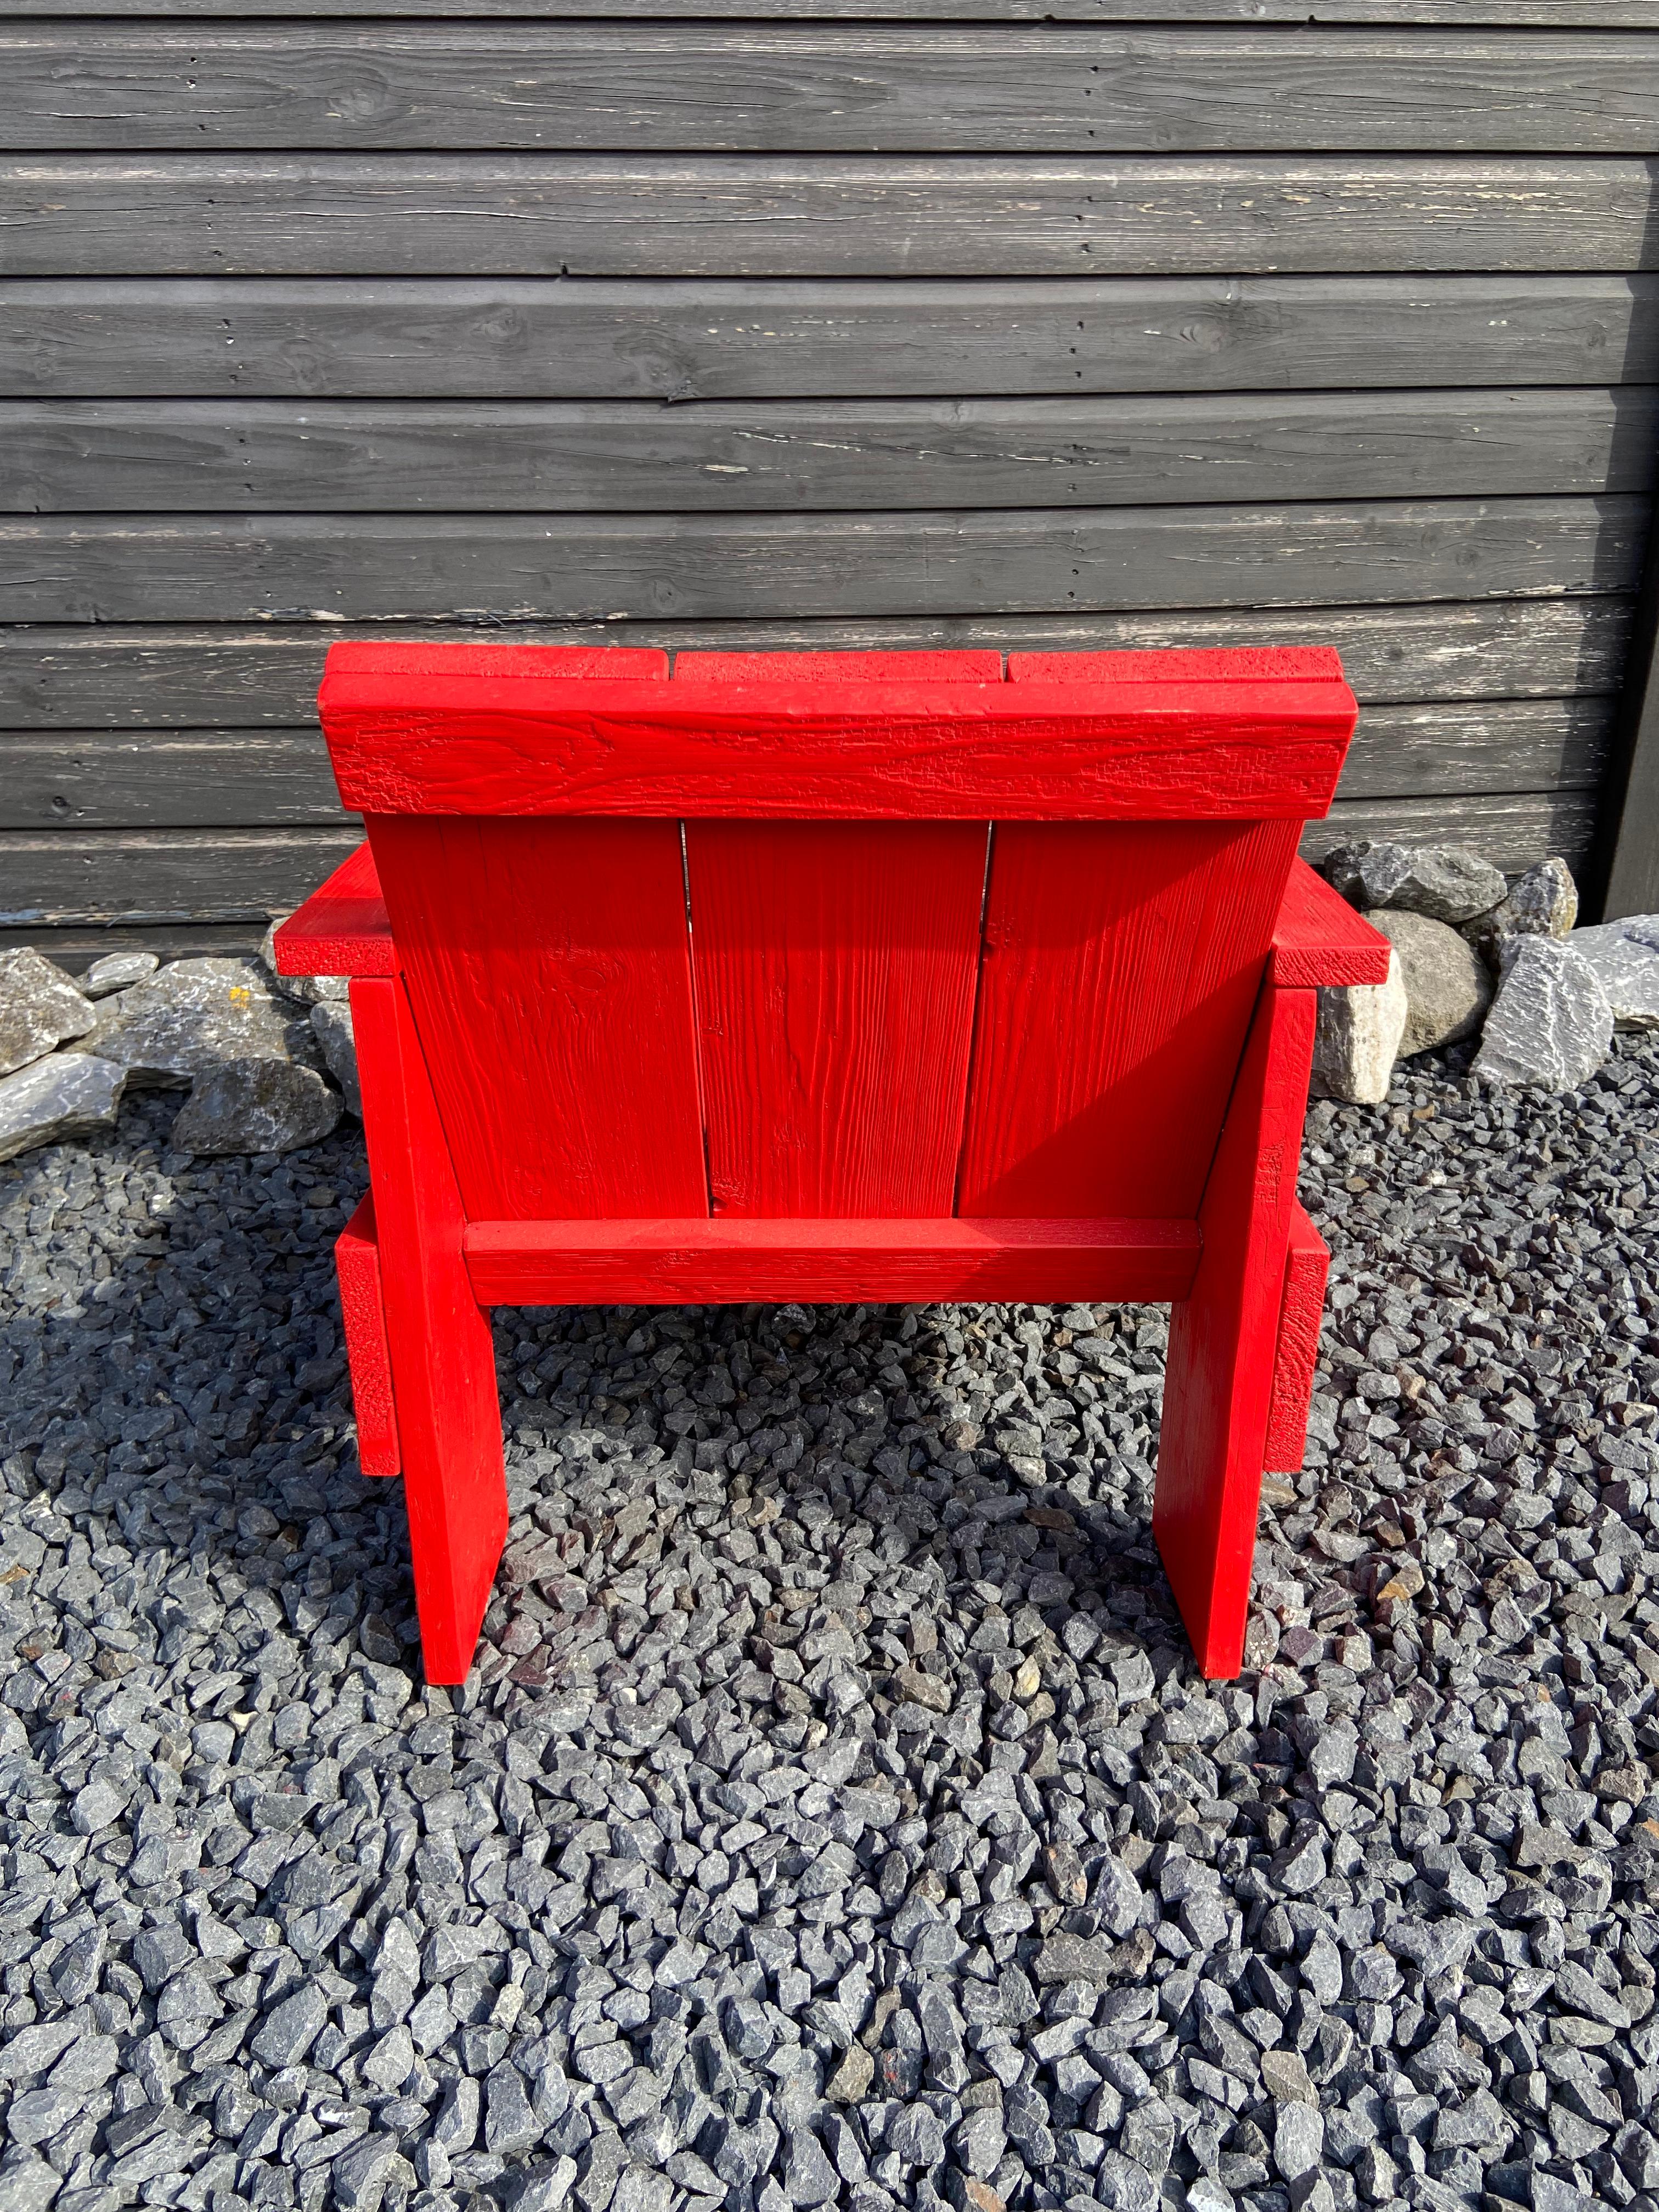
(342, 929)
(1121, 963)
(1224, 1339)
(1249, 664)
(834, 964)
(357, 1264)
(1302, 1309)
(1063, 750)
(1318, 939)
(548, 967)
(731, 1260)
(443, 1366)
(726, 676)
(415, 660)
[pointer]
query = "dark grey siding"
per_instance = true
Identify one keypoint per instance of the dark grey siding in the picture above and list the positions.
(988, 322)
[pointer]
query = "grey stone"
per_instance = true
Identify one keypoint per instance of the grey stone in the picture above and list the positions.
(510, 2126)
(361, 2174)
(27, 2185)
(65, 1094)
(1357, 1038)
(332, 1021)
(288, 2031)
(40, 1008)
(1543, 902)
(1298, 2140)
(192, 1016)
(1624, 957)
(543, 2188)
(1550, 1023)
(255, 1106)
(1448, 883)
(1447, 989)
(117, 971)
(915, 2133)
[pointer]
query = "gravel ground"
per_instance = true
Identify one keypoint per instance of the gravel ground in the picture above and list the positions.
(835, 1815)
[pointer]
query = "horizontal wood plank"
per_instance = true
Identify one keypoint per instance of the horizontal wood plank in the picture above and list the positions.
(734, 1258)
(78, 678)
(1511, 829)
(343, 928)
(1319, 940)
(632, 339)
(421, 568)
(541, 214)
(249, 455)
(865, 89)
(1546, 15)
(204, 779)
(73, 878)
(75, 947)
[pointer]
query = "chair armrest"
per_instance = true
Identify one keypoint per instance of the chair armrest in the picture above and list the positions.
(1319, 939)
(342, 929)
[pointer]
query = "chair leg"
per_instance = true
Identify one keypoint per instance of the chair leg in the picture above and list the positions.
(442, 1359)
(1307, 1264)
(362, 1309)
(1224, 1338)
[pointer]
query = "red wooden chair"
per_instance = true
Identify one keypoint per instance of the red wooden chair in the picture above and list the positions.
(840, 976)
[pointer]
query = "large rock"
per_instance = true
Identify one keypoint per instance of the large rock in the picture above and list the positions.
(68, 1094)
(332, 1023)
(304, 990)
(1355, 1045)
(117, 971)
(1448, 883)
(40, 1008)
(1551, 1021)
(193, 1016)
(1625, 956)
(1544, 903)
(1447, 989)
(255, 1106)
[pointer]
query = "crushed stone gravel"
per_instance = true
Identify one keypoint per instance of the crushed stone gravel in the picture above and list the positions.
(834, 1816)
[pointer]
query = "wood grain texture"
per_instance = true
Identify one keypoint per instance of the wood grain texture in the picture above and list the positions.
(204, 778)
(550, 979)
(1302, 1309)
(1511, 829)
(1547, 15)
(835, 964)
(72, 878)
(343, 928)
(729, 1259)
(903, 338)
(779, 749)
(538, 458)
(443, 1363)
(869, 88)
(1318, 939)
(1121, 961)
(70, 677)
(363, 1313)
(435, 568)
(1404, 752)
(1224, 1339)
(533, 214)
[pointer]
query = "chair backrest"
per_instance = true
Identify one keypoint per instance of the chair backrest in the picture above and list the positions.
(832, 934)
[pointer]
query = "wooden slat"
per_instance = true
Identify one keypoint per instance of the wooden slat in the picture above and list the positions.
(75, 878)
(630, 338)
(730, 1260)
(76, 946)
(835, 965)
(433, 568)
(1121, 962)
(1546, 15)
(539, 215)
(71, 677)
(118, 779)
(297, 457)
(868, 89)
(1318, 939)
(554, 955)
(343, 929)
(1512, 830)
(204, 778)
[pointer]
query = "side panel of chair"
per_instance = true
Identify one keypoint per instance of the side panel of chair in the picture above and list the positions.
(550, 978)
(1224, 1338)
(443, 1365)
(1121, 962)
(835, 965)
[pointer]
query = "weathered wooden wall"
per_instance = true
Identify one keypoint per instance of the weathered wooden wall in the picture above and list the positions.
(990, 321)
